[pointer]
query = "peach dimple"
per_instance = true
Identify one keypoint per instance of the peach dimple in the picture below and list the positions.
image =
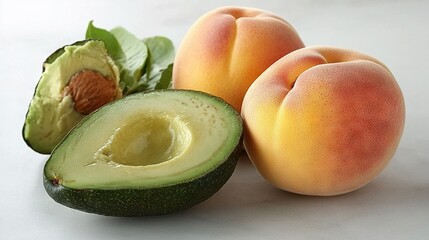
(333, 130)
(226, 49)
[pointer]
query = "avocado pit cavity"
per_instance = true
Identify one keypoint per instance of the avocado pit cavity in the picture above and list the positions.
(90, 90)
(146, 140)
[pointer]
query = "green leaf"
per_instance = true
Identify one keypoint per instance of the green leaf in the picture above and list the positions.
(112, 45)
(144, 65)
(161, 50)
(159, 64)
(164, 81)
(136, 54)
(129, 53)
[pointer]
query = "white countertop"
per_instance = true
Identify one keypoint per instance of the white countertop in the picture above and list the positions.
(394, 206)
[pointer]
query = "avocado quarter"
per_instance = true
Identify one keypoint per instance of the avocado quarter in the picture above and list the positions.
(69, 89)
(146, 154)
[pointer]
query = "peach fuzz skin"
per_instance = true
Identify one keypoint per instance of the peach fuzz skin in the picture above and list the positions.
(323, 121)
(226, 49)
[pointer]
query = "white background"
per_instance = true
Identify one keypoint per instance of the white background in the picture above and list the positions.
(394, 206)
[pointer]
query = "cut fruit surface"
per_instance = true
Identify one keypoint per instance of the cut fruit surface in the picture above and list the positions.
(159, 152)
(76, 80)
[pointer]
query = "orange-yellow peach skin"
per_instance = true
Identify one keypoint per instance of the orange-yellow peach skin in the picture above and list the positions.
(323, 121)
(226, 49)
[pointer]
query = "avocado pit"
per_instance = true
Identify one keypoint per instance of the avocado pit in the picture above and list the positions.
(90, 90)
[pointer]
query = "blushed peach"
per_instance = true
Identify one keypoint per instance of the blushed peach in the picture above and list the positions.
(226, 49)
(323, 120)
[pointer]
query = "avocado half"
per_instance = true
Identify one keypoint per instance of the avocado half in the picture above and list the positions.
(52, 110)
(146, 154)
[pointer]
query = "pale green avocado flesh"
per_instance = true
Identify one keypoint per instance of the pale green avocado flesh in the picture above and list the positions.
(51, 113)
(146, 154)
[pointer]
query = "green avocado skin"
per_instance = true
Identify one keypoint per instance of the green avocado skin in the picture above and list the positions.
(149, 201)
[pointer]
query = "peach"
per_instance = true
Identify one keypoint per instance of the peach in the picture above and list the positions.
(323, 120)
(226, 49)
